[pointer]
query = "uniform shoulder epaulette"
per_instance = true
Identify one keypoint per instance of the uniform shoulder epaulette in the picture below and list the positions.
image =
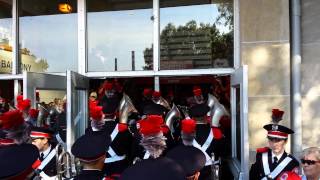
(262, 150)
(122, 127)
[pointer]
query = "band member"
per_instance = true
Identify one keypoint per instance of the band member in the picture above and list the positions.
(42, 139)
(110, 100)
(117, 157)
(24, 106)
(197, 97)
(90, 150)
(273, 160)
(14, 127)
(191, 159)
(154, 169)
(202, 136)
(152, 141)
(18, 159)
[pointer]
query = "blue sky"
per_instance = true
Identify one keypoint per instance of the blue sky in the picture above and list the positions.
(112, 34)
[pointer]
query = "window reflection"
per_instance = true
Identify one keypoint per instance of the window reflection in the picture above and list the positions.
(5, 37)
(48, 36)
(194, 36)
(118, 34)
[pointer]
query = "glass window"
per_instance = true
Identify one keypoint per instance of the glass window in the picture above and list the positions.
(6, 37)
(196, 34)
(120, 33)
(48, 36)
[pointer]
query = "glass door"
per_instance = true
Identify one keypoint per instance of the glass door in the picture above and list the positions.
(77, 106)
(239, 163)
(40, 81)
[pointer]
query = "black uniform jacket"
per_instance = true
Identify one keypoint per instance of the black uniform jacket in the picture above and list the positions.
(50, 169)
(256, 171)
(121, 145)
(90, 175)
(202, 133)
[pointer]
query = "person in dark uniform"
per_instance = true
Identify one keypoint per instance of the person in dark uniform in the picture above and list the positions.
(110, 100)
(18, 159)
(190, 158)
(90, 150)
(118, 153)
(154, 169)
(203, 136)
(152, 142)
(273, 160)
(42, 138)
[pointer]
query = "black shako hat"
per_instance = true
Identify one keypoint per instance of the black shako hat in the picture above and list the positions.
(190, 158)
(154, 109)
(277, 131)
(199, 110)
(16, 159)
(154, 169)
(274, 129)
(90, 147)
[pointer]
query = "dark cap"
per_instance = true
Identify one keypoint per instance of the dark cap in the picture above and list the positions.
(90, 147)
(199, 110)
(190, 158)
(16, 159)
(40, 132)
(154, 169)
(154, 109)
(277, 131)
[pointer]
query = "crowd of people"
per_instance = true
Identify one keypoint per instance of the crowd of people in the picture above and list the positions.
(152, 138)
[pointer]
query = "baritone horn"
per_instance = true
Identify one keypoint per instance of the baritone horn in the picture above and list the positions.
(217, 110)
(125, 108)
(64, 163)
(171, 116)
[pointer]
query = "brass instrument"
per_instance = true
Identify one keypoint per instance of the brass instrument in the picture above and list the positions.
(64, 163)
(163, 102)
(171, 116)
(217, 110)
(215, 168)
(185, 111)
(42, 116)
(125, 108)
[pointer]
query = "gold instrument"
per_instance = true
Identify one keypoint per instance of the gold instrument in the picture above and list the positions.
(171, 116)
(125, 108)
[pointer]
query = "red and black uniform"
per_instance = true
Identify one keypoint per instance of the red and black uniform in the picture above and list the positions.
(286, 163)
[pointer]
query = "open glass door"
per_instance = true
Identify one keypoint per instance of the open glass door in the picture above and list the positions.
(52, 84)
(77, 106)
(239, 163)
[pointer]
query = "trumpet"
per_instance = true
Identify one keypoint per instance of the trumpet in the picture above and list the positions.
(64, 163)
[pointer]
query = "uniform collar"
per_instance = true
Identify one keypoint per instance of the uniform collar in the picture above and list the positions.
(278, 156)
(46, 152)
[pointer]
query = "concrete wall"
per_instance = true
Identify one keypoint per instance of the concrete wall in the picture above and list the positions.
(265, 48)
(310, 22)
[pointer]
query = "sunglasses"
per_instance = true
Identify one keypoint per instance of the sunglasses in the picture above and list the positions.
(309, 162)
